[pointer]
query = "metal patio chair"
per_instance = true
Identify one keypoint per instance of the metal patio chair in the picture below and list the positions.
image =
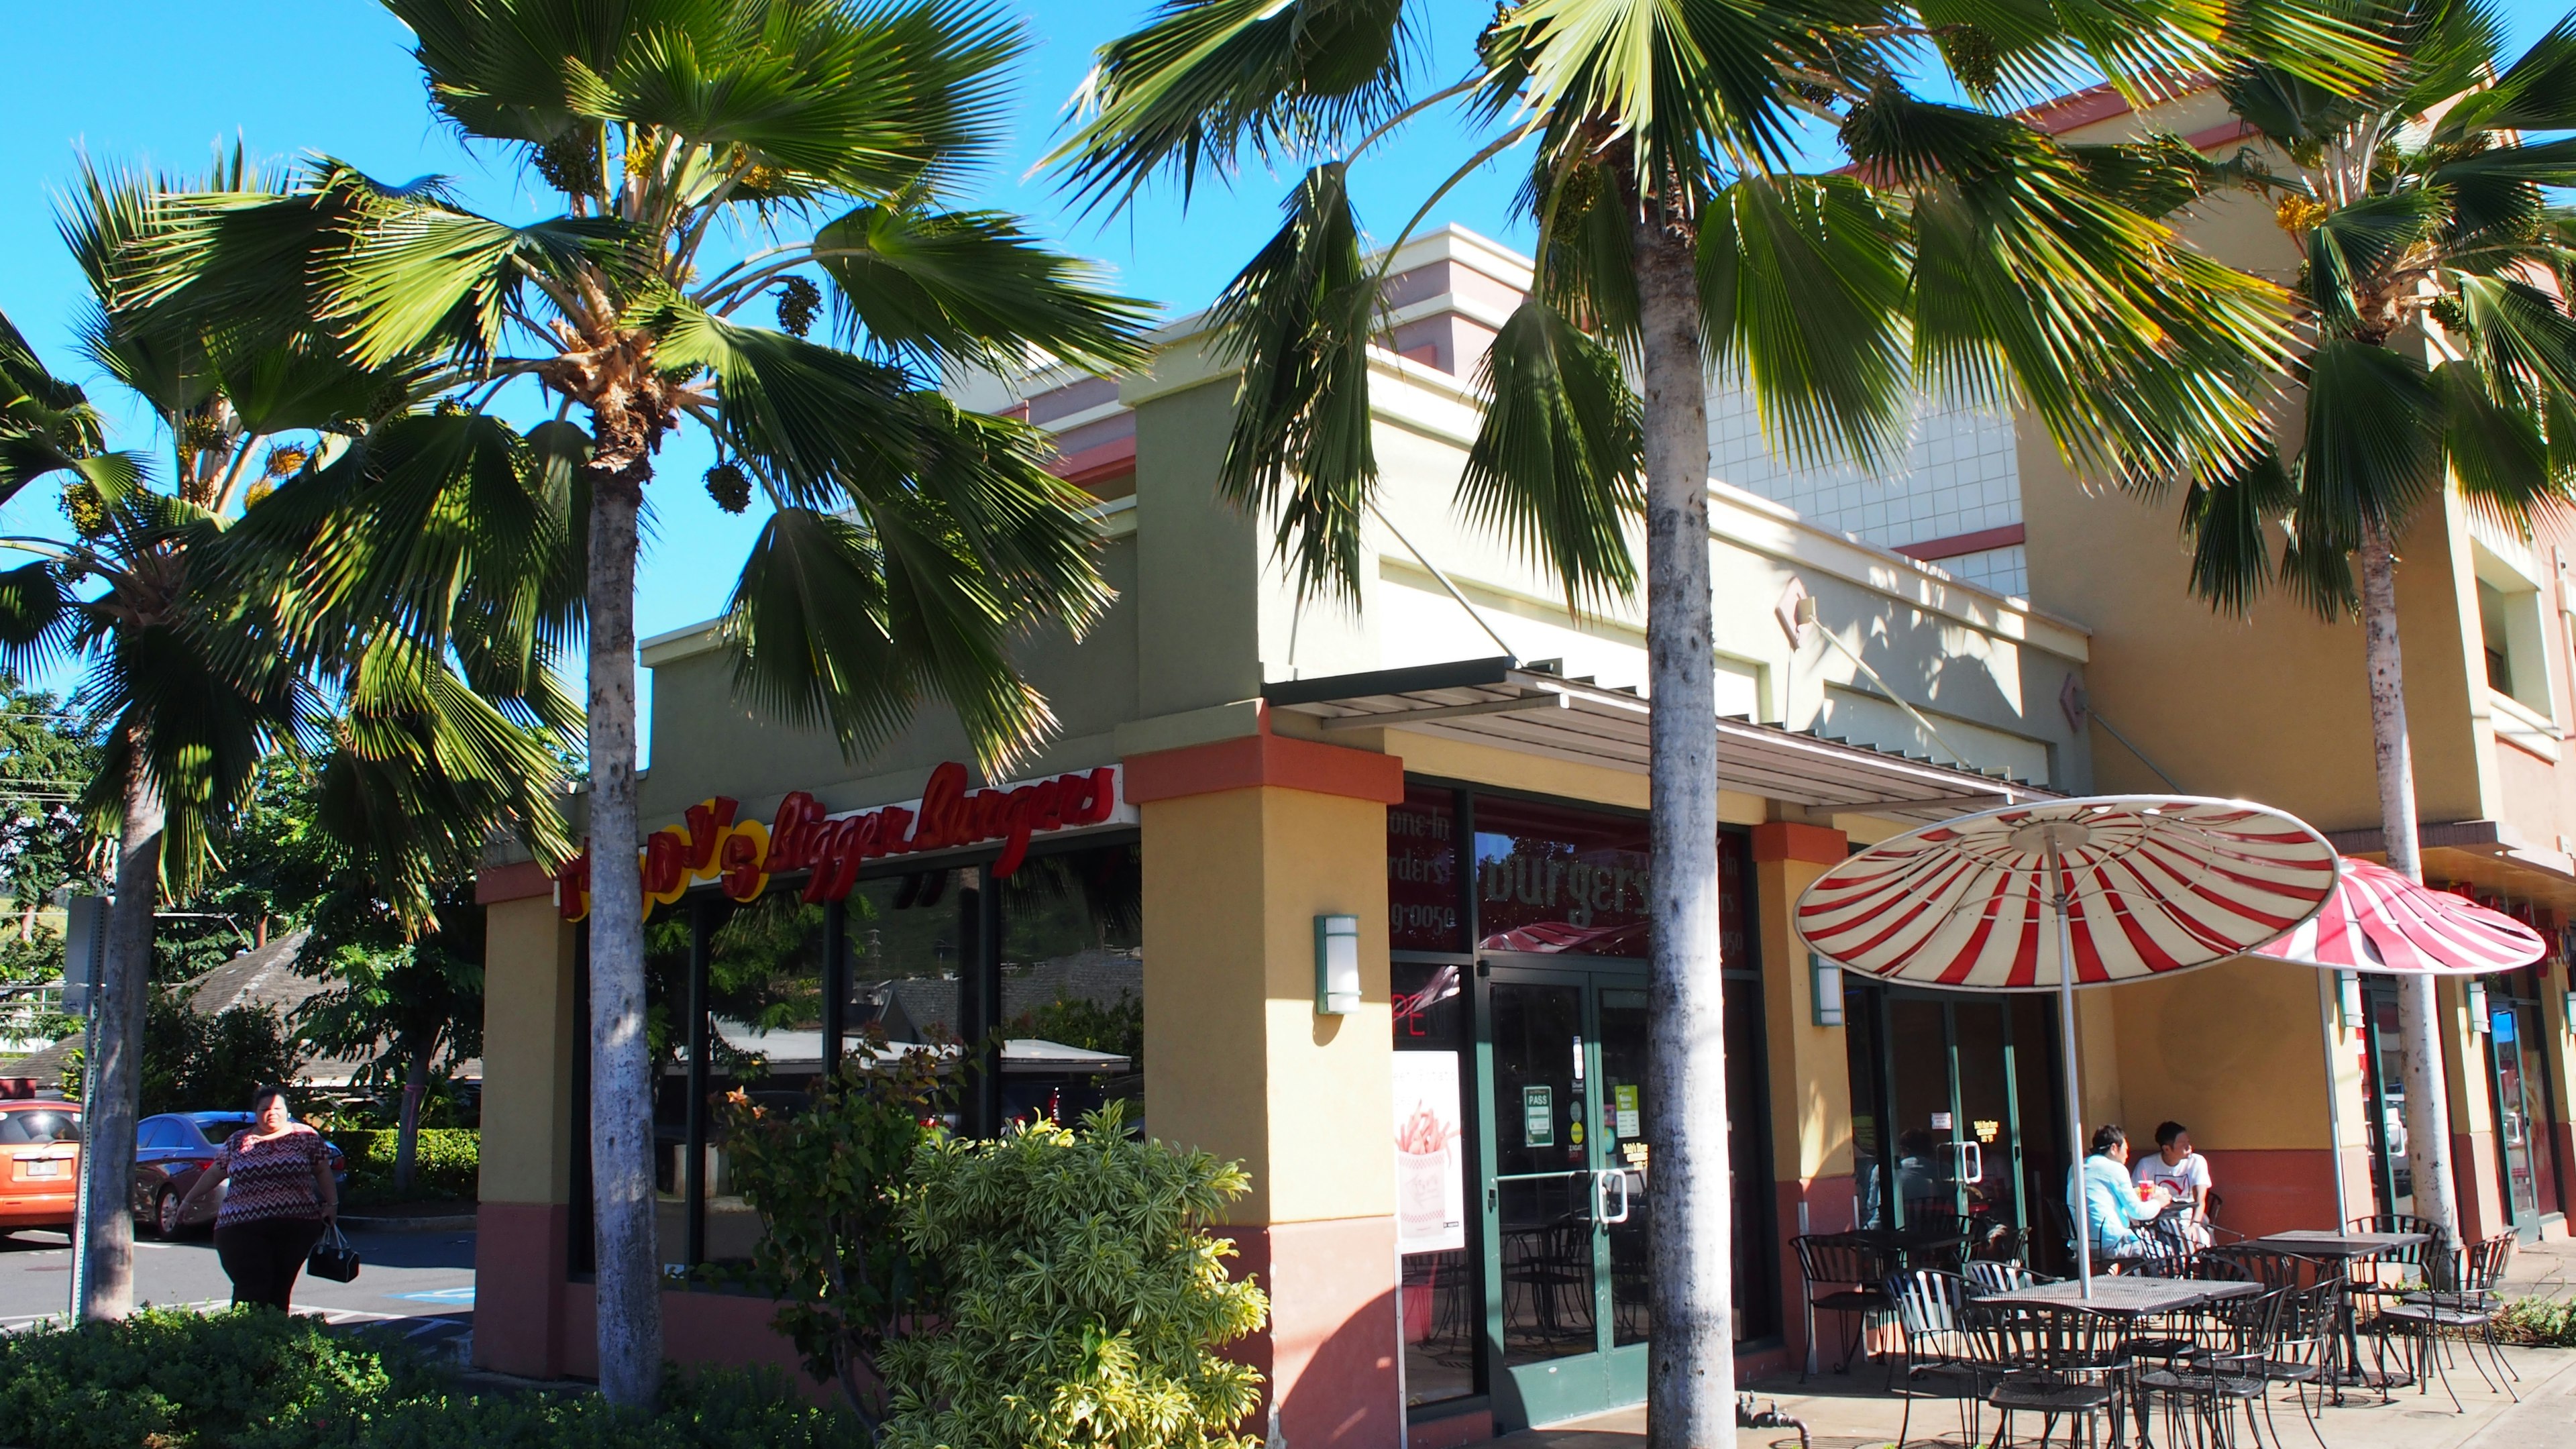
(2202, 1394)
(1841, 1274)
(2057, 1363)
(2462, 1306)
(1938, 1361)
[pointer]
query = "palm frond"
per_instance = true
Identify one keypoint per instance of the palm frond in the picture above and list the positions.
(1298, 319)
(1555, 467)
(2371, 454)
(1206, 80)
(849, 628)
(1803, 290)
(972, 286)
(2225, 520)
(806, 414)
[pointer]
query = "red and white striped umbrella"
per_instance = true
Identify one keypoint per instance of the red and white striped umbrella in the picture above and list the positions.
(2128, 887)
(2382, 922)
(2154, 885)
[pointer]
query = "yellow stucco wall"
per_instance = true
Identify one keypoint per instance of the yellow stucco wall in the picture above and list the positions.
(1811, 1126)
(1236, 1059)
(2234, 1050)
(527, 1058)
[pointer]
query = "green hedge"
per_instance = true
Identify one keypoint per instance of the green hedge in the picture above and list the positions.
(449, 1164)
(253, 1379)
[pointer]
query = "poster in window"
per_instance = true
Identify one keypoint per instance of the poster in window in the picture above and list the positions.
(1430, 1197)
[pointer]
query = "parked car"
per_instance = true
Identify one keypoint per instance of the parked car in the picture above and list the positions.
(171, 1149)
(39, 1164)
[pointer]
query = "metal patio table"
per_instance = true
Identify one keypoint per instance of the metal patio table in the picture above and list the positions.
(2127, 1297)
(2346, 1247)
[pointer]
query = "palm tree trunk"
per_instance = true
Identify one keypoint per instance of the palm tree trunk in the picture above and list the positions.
(108, 1120)
(2428, 1110)
(1690, 1373)
(407, 1129)
(621, 1103)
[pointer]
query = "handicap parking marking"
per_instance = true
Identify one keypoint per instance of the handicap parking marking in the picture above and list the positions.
(461, 1296)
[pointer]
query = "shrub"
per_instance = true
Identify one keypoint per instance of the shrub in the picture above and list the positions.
(449, 1163)
(259, 1380)
(1085, 1300)
(166, 1379)
(2538, 1322)
(827, 1181)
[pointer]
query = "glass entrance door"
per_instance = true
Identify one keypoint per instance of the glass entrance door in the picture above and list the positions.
(1564, 1202)
(1952, 1076)
(2520, 1116)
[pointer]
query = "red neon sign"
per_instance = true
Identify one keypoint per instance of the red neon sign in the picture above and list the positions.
(709, 844)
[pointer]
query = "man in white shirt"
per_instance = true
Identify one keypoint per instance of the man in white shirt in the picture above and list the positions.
(2182, 1172)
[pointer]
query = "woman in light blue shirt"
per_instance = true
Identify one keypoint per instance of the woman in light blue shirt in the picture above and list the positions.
(2111, 1207)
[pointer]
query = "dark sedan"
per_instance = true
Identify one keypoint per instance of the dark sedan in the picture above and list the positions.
(171, 1149)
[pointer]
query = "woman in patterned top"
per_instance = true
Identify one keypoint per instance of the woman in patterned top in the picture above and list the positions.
(281, 1197)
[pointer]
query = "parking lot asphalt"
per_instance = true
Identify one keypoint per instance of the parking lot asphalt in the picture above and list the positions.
(418, 1283)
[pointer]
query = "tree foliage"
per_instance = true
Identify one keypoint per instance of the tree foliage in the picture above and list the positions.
(1962, 251)
(828, 1181)
(1085, 1299)
(2436, 347)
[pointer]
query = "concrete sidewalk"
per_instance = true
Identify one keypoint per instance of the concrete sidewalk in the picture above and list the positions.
(1849, 1412)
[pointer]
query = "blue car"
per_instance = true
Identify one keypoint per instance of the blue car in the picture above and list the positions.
(171, 1149)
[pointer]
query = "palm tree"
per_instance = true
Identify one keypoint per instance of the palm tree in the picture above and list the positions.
(2434, 347)
(184, 686)
(1962, 250)
(907, 542)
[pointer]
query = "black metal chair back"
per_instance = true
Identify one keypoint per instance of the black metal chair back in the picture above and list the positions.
(2270, 1267)
(1986, 1276)
(1928, 1302)
(2418, 1257)
(2051, 1345)
(2487, 1260)
(1832, 1261)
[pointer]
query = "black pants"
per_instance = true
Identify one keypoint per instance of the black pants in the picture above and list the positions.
(263, 1258)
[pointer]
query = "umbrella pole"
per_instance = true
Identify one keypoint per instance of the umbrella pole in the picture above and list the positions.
(2079, 1208)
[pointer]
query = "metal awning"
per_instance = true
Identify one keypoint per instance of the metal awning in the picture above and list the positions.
(1504, 703)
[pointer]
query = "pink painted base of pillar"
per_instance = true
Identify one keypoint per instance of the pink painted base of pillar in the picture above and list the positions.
(1829, 1202)
(1328, 1355)
(518, 1288)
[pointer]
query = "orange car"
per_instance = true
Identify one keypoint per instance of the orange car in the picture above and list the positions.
(39, 1164)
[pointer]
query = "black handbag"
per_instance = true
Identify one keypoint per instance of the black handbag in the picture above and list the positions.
(332, 1257)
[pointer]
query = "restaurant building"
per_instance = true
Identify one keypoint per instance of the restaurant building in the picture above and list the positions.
(1370, 872)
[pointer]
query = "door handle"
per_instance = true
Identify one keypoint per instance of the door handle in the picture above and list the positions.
(1972, 1162)
(1601, 1196)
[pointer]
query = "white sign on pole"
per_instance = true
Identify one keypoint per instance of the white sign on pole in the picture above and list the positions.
(1430, 1193)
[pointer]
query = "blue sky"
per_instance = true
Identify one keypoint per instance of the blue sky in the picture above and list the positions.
(161, 82)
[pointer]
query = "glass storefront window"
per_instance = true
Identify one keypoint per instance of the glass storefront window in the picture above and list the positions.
(1073, 982)
(764, 998)
(1558, 881)
(904, 952)
(1422, 872)
(763, 1034)
(1441, 1309)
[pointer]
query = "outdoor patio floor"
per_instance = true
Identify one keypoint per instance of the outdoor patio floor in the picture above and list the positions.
(1849, 1411)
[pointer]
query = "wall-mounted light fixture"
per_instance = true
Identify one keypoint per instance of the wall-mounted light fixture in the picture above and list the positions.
(2348, 993)
(2478, 1006)
(1337, 965)
(1827, 979)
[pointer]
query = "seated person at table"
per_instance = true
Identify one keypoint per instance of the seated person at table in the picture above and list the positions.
(2182, 1173)
(2104, 1201)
